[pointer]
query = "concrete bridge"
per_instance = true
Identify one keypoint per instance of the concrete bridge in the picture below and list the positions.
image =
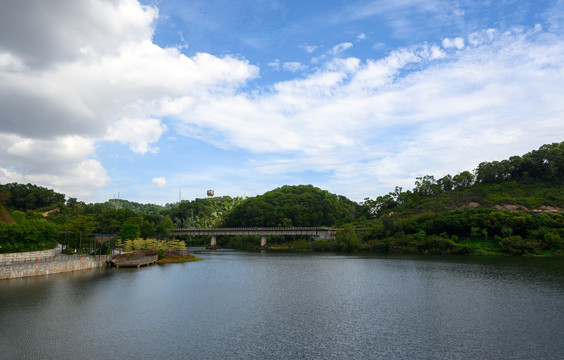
(317, 232)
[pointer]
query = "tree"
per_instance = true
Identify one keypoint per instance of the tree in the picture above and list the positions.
(463, 180)
(83, 224)
(129, 232)
(348, 239)
(31, 197)
(147, 229)
(426, 186)
(446, 183)
(164, 228)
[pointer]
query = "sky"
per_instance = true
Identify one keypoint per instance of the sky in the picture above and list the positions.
(154, 101)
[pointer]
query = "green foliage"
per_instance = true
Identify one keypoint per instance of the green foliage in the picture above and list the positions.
(440, 210)
(301, 244)
(545, 164)
(530, 181)
(347, 239)
(302, 205)
(450, 215)
(119, 245)
(173, 245)
(120, 204)
(30, 197)
(201, 213)
(515, 245)
(28, 235)
(129, 232)
(81, 223)
(468, 231)
(129, 247)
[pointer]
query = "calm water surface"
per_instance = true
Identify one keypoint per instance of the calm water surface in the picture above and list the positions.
(252, 305)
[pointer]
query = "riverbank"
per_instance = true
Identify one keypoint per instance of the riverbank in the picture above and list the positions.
(179, 259)
(46, 268)
(410, 244)
(28, 255)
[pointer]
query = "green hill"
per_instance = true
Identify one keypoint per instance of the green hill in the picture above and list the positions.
(512, 207)
(302, 205)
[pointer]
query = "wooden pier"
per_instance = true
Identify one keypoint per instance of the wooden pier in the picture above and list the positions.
(133, 261)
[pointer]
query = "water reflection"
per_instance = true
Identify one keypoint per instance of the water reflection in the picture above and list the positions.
(253, 305)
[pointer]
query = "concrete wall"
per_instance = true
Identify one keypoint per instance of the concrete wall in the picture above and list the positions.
(29, 255)
(46, 268)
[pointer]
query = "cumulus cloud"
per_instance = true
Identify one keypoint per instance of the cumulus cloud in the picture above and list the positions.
(160, 181)
(81, 73)
(408, 111)
(138, 133)
(42, 34)
(457, 43)
(76, 74)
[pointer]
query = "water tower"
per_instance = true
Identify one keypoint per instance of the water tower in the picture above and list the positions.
(210, 193)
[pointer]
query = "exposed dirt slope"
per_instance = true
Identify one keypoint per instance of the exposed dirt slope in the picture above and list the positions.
(5, 216)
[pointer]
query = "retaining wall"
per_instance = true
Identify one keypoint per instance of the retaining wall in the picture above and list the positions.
(26, 256)
(46, 268)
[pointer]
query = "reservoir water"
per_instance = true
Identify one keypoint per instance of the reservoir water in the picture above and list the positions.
(252, 305)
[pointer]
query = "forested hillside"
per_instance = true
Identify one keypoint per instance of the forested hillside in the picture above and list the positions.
(303, 205)
(532, 180)
(512, 207)
(29, 197)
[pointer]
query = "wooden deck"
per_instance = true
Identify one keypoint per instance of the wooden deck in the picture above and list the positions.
(134, 261)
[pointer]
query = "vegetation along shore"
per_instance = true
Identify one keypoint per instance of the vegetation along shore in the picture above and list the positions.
(509, 207)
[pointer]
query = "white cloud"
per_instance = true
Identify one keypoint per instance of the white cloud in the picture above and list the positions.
(293, 66)
(402, 17)
(9, 62)
(339, 48)
(407, 111)
(457, 42)
(160, 181)
(87, 72)
(76, 74)
(275, 64)
(43, 34)
(310, 48)
(138, 133)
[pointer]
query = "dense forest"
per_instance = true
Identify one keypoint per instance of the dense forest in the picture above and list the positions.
(510, 207)
(302, 205)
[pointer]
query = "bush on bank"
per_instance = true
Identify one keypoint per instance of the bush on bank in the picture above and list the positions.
(28, 235)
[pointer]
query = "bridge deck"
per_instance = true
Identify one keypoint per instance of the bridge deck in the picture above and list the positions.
(264, 231)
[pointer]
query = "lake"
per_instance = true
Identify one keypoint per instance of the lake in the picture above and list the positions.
(270, 305)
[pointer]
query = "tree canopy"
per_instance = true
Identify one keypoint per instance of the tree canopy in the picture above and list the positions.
(302, 205)
(25, 197)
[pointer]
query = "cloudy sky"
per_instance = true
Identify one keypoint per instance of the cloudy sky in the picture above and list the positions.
(157, 99)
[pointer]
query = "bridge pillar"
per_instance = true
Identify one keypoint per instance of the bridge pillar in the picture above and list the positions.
(262, 241)
(213, 241)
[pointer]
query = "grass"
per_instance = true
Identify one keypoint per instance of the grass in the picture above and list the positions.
(179, 259)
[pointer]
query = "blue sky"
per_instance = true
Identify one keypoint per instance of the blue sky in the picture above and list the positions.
(153, 100)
